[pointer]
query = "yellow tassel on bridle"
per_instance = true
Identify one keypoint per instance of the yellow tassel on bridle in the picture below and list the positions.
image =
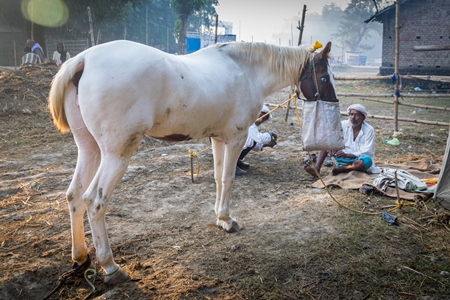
(317, 45)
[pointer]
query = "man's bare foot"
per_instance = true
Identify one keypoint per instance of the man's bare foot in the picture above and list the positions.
(311, 171)
(340, 170)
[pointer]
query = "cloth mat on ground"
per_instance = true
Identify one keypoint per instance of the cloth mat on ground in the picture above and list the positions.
(354, 180)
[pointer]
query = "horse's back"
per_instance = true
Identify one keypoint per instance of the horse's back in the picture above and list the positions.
(127, 84)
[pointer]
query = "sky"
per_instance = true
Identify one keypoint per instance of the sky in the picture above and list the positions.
(260, 20)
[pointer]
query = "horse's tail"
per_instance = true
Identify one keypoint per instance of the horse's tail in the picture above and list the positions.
(66, 75)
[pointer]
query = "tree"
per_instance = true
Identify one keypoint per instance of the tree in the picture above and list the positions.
(132, 20)
(331, 14)
(185, 8)
(352, 30)
(204, 18)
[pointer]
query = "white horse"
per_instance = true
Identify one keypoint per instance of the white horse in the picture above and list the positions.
(113, 94)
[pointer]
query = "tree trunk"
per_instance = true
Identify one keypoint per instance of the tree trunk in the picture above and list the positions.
(183, 31)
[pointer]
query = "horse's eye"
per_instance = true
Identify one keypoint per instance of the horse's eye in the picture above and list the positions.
(323, 79)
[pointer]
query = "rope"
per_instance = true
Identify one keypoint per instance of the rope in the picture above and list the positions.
(278, 106)
(297, 114)
(76, 269)
(94, 276)
(399, 202)
(193, 154)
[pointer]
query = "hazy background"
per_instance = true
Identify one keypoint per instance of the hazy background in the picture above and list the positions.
(276, 22)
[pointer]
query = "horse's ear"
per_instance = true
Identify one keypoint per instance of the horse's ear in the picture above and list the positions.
(325, 53)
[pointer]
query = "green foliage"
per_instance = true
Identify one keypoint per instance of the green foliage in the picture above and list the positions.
(123, 19)
(104, 10)
(203, 10)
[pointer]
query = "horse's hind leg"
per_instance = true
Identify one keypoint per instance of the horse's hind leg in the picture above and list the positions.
(116, 155)
(87, 163)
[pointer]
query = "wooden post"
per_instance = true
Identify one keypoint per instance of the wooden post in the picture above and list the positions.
(15, 55)
(217, 25)
(146, 26)
(91, 28)
(431, 48)
(32, 20)
(397, 54)
(98, 37)
(300, 27)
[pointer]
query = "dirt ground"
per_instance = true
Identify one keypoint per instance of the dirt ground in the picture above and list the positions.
(293, 245)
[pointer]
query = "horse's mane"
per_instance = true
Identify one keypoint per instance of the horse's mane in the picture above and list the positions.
(282, 59)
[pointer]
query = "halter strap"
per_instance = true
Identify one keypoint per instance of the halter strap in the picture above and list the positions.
(306, 74)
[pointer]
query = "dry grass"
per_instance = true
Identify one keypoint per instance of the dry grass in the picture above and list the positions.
(298, 243)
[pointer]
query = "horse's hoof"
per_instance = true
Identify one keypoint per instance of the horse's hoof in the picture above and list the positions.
(79, 269)
(231, 226)
(115, 277)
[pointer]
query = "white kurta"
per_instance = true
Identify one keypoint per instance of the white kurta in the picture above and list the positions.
(57, 57)
(363, 144)
(255, 136)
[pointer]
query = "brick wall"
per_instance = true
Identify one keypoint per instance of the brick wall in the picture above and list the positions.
(423, 22)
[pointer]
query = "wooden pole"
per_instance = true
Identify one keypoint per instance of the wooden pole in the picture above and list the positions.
(405, 120)
(344, 113)
(409, 104)
(91, 27)
(15, 55)
(146, 26)
(391, 95)
(192, 169)
(301, 26)
(167, 39)
(431, 48)
(389, 77)
(98, 37)
(32, 20)
(217, 25)
(397, 54)
(300, 36)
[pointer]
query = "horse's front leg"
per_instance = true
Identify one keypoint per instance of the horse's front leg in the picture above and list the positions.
(110, 172)
(231, 155)
(218, 148)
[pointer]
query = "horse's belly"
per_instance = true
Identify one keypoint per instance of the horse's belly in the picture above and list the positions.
(181, 133)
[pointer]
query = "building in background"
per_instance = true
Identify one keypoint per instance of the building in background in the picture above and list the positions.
(13, 36)
(422, 23)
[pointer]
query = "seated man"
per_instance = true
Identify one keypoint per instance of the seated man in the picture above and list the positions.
(60, 55)
(30, 58)
(256, 141)
(36, 49)
(359, 150)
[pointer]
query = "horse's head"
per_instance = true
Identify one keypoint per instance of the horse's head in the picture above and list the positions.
(316, 79)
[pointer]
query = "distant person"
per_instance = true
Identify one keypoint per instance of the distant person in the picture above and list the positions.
(256, 141)
(30, 58)
(359, 151)
(36, 49)
(60, 55)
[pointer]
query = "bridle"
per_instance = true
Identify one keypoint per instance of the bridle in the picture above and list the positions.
(310, 75)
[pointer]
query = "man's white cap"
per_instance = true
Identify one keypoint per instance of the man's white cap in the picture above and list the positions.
(265, 110)
(359, 107)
